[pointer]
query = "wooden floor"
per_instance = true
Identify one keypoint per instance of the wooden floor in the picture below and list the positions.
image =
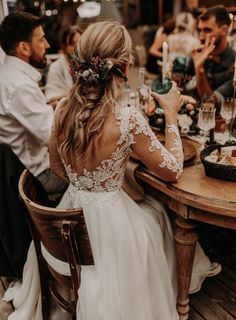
(217, 299)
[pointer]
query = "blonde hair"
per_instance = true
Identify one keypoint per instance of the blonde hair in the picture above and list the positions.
(80, 119)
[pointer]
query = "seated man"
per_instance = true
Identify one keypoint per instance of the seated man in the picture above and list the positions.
(213, 62)
(25, 117)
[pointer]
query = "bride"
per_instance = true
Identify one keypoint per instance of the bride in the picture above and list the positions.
(91, 142)
(134, 273)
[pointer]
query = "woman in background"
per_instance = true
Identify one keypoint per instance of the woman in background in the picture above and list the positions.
(154, 58)
(59, 80)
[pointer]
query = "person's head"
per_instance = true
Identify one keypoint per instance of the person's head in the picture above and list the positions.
(185, 22)
(70, 39)
(22, 35)
(169, 26)
(214, 22)
(191, 4)
(104, 53)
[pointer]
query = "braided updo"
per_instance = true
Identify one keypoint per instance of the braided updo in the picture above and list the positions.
(81, 118)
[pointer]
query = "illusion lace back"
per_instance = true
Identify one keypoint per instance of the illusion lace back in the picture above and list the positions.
(108, 176)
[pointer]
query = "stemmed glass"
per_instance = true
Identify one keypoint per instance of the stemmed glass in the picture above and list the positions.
(226, 113)
(206, 121)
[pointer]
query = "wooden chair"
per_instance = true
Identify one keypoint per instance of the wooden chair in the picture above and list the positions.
(63, 233)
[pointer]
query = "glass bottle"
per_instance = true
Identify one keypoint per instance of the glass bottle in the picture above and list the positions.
(143, 92)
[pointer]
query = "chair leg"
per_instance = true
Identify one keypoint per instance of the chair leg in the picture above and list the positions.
(3, 284)
(45, 291)
(46, 306)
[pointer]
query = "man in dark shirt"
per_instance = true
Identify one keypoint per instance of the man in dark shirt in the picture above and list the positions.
(213, 62)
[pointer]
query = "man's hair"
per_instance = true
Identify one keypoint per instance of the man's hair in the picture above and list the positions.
(219, 12)
(17, 27)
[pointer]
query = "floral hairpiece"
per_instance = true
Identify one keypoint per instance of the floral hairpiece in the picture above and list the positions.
(93, 72)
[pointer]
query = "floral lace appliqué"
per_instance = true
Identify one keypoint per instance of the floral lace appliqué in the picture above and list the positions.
(108, 176)
(174, 162)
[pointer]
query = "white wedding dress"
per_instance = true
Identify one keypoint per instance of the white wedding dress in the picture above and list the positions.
(134, 274)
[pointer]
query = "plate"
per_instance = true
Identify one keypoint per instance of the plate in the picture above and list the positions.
(189, 151)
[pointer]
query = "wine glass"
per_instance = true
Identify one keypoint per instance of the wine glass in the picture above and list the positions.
(226, 113)
(206, 121)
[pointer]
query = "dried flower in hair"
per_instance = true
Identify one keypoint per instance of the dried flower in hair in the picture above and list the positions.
(89, 76)
(93, 72)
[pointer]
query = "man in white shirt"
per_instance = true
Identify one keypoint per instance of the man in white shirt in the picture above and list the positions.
(25, 117)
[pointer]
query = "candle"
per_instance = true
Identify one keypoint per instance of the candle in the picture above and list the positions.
(234, 79)
(164, 60)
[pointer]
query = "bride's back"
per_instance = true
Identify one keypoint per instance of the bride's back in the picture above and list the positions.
(104, 146)
(86, 125)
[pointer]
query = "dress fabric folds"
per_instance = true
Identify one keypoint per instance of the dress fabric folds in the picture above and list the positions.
(134, 258)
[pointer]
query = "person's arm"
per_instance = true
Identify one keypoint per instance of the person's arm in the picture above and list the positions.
(29, 108)
(199, 56)
(55, 100)
(203, 86)
(56, 164)
(165, 161)
(155, 48)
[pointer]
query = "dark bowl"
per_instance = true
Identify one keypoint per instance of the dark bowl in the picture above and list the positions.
(216, 170)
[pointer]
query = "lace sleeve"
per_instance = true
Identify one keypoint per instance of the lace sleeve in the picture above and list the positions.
(166, 162)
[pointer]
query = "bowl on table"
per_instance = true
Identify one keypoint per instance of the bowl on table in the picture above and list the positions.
(223, 171)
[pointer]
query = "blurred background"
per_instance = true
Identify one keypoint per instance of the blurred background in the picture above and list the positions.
(141, 15)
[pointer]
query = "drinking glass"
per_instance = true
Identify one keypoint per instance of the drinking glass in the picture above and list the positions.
(226, 113)
(126, 99)
(206, 121)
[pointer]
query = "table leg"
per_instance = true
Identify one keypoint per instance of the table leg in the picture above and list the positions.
(185, 238)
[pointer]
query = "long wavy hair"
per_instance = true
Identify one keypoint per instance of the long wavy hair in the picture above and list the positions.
(80, 119)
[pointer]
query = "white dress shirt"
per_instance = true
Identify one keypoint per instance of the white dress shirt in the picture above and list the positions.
(2, 56)
(25, 118)
(59, 80)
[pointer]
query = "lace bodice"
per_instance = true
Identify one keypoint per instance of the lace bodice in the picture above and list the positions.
(108, 176)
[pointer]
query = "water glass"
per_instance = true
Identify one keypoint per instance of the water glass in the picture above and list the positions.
(126, 99)
(206, 121)
(226, 113)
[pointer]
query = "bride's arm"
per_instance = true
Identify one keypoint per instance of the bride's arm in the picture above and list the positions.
(166, 162)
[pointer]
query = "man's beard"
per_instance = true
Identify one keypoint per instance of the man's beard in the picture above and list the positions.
(37, 62)
(216, 43)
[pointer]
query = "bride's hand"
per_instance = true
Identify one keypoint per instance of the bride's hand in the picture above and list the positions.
(171, 101)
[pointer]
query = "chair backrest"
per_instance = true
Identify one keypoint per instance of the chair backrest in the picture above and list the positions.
(15, 235)
(63, 233)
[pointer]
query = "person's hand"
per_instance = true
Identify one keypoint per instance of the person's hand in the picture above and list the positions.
(201, 53)
(171, 101)
(54, 101)
(189, 101)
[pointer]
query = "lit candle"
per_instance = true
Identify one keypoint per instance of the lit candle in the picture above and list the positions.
(234, 79)
(164, 60)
